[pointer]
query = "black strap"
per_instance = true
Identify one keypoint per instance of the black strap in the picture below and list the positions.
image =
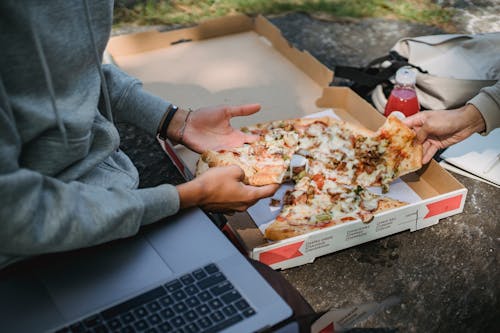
(365, 79)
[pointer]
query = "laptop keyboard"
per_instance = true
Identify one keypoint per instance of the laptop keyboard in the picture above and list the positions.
(201, 301)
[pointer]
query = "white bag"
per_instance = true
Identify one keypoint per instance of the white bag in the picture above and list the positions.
(455, 68)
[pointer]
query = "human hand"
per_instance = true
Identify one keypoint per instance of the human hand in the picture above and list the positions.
(442, 128)
(210, 128)
(221, 190)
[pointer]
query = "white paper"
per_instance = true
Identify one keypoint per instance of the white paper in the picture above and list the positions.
(478, 155)
(459, 171)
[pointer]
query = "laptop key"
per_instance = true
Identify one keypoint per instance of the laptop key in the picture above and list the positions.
(211, 268)
(77, 327)
(191, 290)
(166, 301)
(134, 302)
(100, 329)
(154, 319)
(191, 328)
(229, 310)
(192, 302)
(187, 279)
(211, 280)
(204, 296)
(177, 321)
(173, 285)
(217, 316)
(92, 321)
(230, 296)
(153, 307)
(128, 329)
(179, 295)
(224, 324)
(215, 304)
(199, 274)
(190, 316)
(221, 288)
(180, 307)
(114, 324)
(140, 312)
(242, 304)
(164, 327)
(141, 325)
(203, 310)
(127, 317)
(167, 313)
(248, 312)
(204, 322)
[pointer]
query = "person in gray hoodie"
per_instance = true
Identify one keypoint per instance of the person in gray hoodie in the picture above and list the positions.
(64, 182)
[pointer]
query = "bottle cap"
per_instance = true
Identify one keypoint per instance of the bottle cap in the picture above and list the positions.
(406, 76)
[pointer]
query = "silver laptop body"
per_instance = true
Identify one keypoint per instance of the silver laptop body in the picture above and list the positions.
(54, 291)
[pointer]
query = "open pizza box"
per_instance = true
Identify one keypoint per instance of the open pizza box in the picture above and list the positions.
(237, 60)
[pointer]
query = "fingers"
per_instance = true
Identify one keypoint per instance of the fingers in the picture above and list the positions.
(421, 135)
(429, 151)
(243, 110)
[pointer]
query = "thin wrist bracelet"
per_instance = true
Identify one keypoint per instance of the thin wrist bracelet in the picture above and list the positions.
(183, 128)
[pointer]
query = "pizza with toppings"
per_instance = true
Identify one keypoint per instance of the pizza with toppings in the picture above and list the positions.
(340, 161)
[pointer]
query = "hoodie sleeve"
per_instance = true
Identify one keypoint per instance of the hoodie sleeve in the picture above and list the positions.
(41, 214)
(131, 103)
(488, 103)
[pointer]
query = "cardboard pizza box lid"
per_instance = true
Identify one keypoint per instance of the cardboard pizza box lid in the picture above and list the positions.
(232, 60)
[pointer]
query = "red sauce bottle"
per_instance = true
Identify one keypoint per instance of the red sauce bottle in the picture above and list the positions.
(403, 96)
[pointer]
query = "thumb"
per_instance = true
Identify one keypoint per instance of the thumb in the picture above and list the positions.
(266, 190)
(415, 121)
(235, 172)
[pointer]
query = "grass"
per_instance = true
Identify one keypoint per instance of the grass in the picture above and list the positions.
(185, 12)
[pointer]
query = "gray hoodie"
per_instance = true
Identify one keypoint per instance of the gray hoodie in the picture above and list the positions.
(64, 184)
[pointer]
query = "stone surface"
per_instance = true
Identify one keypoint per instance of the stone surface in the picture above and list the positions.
(447, 276)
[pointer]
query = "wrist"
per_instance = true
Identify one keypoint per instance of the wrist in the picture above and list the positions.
(190, 193)
(177, 124)
(166, 121)
(473, 118)
(173, 124)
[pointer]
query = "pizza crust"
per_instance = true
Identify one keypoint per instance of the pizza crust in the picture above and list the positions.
(279, 229)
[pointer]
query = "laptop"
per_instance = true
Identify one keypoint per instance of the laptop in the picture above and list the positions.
(181, 273)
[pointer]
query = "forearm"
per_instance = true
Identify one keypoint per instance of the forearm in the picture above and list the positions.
(131, 103)
(42, 214)
(190, 194)
(488, 104)
(471, 119)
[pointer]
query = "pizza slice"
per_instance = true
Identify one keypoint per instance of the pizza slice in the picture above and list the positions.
(265, 161)
(317, 202)
(353, 155)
